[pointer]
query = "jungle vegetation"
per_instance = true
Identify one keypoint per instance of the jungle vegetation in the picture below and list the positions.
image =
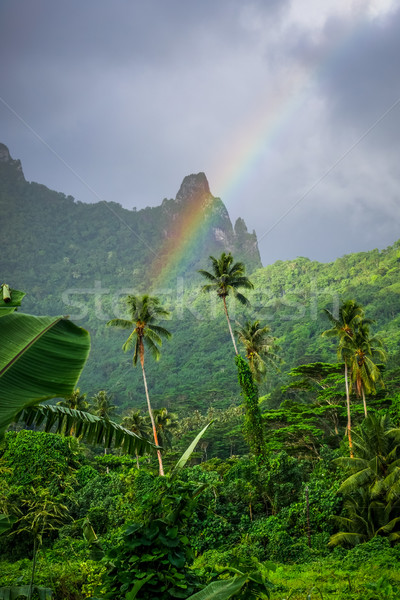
(267, 470)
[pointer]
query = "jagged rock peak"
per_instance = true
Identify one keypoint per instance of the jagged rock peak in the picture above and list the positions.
(5, 157)
(194, 188)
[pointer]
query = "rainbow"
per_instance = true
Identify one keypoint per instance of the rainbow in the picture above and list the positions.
(266, 126)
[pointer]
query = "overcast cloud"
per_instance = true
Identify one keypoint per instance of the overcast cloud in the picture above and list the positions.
(281, 103)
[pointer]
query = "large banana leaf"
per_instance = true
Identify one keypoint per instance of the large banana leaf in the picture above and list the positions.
(188, 452)
(10, 304)
(40, 358)
(92, 429)
(221, 590)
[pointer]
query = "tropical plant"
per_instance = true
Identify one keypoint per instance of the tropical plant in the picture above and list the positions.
(135, 422)
(260, 347)
(166, 425)
(144, 312)
(76, 401)
(40, 358)
(102, 405)
(226, 278)
(350, 313)
(253, 584)
(152, 556)
(360, 351)
(253, 425)
(44, 515)
(372, 490)
(85, 426)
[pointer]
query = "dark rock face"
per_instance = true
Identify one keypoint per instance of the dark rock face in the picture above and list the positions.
(9, 163)
(218, 235)
(194, 188)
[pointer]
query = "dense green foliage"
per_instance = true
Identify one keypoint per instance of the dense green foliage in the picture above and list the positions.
(265, 502)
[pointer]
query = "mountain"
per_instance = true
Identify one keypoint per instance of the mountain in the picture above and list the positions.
(52, 239)
(80, 259)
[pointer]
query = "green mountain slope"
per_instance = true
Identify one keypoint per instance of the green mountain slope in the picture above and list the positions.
(78, 259)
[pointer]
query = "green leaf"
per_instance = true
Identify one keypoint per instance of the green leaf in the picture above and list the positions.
(220, 590)
(186, 455)
(84, 425)
(40, 358)
(6, 522)
(137, 587)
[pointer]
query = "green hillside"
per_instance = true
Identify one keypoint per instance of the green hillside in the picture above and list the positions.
(81, 260)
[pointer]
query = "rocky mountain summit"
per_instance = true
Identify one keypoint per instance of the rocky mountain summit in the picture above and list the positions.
(78, 242)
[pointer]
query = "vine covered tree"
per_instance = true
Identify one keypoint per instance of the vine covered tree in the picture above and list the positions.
(260, 347)
(144, 313)
(226, 278)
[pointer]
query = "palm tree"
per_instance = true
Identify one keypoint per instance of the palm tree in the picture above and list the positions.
(365, 374)
(349, 315)
(103, 408)
(260, 347)
(76, 401)
(144, 312)
(372, 488)
(102, 405)
(227, 277)
(166, 424)
(135, 422)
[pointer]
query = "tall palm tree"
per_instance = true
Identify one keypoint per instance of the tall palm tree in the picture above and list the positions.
(226, 278)
(260, 347)
(144, 312)
(135, 422)
(343, 325)
(365, 374)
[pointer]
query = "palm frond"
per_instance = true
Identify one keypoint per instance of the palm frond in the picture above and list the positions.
(242, 299)
(161, 331)
(90, 428)
(207, 275)
(153, 348)
(121, 323)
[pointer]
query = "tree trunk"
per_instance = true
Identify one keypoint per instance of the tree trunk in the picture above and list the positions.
(229, 325)
(346, 379)
(364, 402)
(153, 425)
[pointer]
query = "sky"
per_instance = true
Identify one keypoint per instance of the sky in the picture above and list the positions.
(291, 108)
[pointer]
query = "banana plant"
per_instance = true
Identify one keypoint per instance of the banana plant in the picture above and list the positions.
(85, 426)
(40, 358)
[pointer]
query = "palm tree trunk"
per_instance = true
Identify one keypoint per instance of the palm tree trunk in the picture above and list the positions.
(346, 379)
(229, 325)
(364, 402)
(153, 425)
